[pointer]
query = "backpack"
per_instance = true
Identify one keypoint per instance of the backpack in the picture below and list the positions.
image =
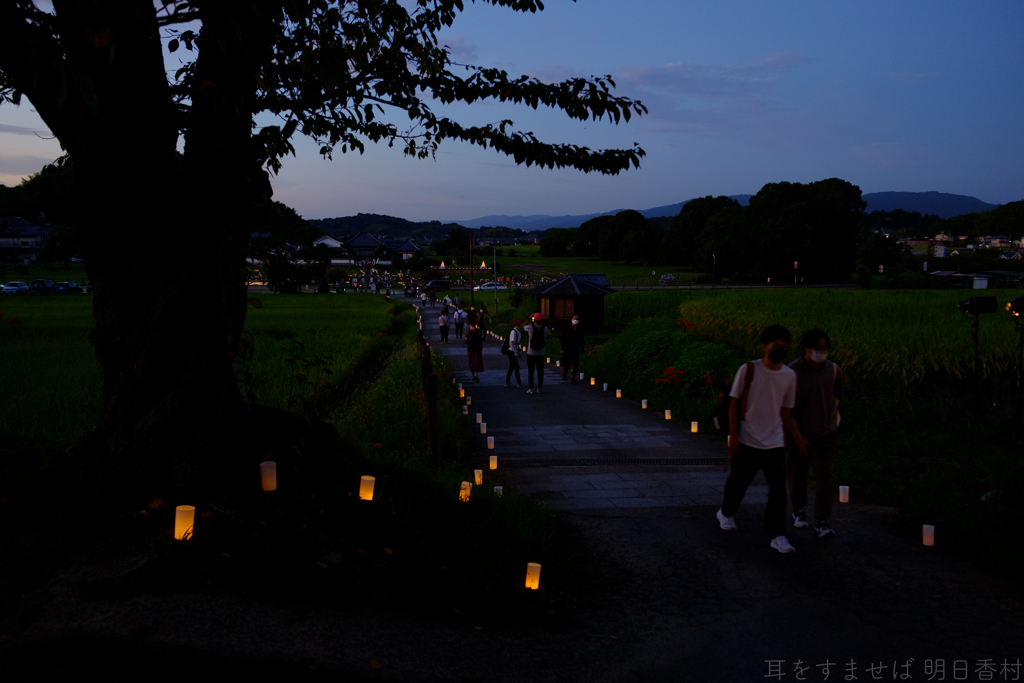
(505, 347)
(720, 417)
(537, 338)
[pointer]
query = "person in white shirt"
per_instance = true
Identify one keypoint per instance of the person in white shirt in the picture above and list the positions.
(459, 318)
(514, 353)
(763, 393)
(442, 325)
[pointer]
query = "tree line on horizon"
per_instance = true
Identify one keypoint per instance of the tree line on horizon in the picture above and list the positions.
(816, 231)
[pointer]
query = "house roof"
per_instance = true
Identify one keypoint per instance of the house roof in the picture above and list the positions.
(363, 240)
(408, 245)
(575, 284)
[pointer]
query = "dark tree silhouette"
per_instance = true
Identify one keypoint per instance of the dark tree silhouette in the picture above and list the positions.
(336, 72)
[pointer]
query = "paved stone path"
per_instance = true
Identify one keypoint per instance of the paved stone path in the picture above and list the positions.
(701, 604)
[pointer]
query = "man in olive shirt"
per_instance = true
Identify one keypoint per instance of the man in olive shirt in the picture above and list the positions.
(814, 425)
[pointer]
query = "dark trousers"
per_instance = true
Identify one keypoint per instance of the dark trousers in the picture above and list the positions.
(444, 332)
(570, 366)
(820, 454)
(513, 366)
(745, 464)
(458, 330)
(532, 363)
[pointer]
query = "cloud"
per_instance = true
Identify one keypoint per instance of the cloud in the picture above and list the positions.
(708, 80)
(897, 155)
(461, 49)
(21, 130)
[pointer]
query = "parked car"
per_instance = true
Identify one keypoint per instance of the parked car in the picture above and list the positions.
(67, 288)
(437, 285)
(15, 288)
(489, 286)
(38, 287)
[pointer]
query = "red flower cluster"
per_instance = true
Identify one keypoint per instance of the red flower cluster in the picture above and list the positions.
(377, 444)
(708, 378)
(382, 334)
(15, 320)
(671, 376)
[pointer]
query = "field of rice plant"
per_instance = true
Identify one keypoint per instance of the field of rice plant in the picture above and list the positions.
(900, 336)
(52, 384)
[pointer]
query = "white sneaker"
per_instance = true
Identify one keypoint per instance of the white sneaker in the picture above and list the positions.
(781, 544)
(800, 519)
(727, 523)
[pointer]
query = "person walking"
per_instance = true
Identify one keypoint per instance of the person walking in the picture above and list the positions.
(572, 349)
(423, 299)
(815, 430)
(762, 395)
(459, 318)
(447, 300)
(484, 320)
(535, 352)
(514, 353)
(475, 350)
(433, 298)
(442, 325)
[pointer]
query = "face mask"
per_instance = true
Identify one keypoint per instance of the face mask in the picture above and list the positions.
(777, 355)
(818, 356)
(575, 321)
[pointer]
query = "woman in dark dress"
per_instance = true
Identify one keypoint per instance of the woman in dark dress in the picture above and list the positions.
(475, 349)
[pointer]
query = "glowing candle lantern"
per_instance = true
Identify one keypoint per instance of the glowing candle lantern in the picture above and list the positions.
(928, 534)
(844, 494)
(268, 474)
(465, 410)
(483, 427)
(618, 393)
(605, 387)
(479, 418)
(462, 393)
(469, 400)
(643, 403)
(593, 381)
(581, 376)
(184, 521)
(494, 462)
(498, 490)
(693, 427)
(478, 477)
(668, 414)
(532, 575)
(490, 443)
(558, 363)
(464, 491)
(460, 385)
(366, 488)
(549, 360)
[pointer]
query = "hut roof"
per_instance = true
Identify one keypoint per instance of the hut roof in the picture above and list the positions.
(575, 284)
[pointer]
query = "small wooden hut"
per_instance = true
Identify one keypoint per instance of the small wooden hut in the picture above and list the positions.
(579, 294)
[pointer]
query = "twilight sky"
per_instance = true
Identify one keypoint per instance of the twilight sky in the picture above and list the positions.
(908, 96)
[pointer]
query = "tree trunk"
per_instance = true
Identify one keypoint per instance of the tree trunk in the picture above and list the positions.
(164, 240)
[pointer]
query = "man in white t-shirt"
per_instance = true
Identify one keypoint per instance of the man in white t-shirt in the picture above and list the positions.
(763, 392)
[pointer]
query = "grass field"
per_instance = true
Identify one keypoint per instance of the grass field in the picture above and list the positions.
(53, 384)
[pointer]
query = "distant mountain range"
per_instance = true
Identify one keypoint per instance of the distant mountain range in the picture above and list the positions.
(940, 204)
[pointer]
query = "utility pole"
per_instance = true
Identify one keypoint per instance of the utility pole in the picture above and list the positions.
(714, 260)
(472, 302)
(494, 265)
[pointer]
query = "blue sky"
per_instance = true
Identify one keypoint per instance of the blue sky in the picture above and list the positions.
(908, 96)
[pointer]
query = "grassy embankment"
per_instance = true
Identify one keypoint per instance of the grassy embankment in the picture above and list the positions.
(415, 543)
(909, 438)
